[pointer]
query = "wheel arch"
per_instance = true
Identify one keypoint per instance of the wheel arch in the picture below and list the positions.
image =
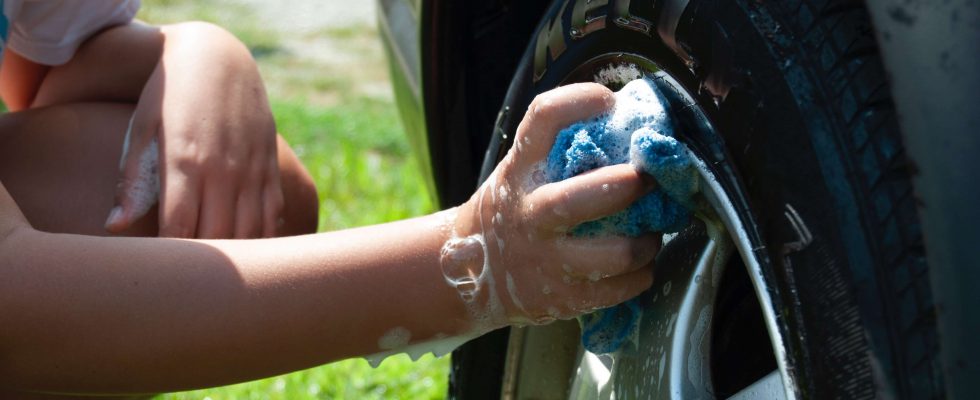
(470, 52)
(929, 52)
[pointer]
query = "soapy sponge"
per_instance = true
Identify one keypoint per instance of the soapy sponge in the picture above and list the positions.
(638, 131)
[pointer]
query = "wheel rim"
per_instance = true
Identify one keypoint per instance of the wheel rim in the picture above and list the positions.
(671, 357)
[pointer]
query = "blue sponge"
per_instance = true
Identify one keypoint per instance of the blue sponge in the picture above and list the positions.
(638, 131)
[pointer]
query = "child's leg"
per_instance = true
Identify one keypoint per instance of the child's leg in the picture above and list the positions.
(61, 165)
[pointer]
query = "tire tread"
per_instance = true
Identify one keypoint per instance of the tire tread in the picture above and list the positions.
(848, 57)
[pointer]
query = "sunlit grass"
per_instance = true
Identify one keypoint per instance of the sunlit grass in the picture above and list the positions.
(234, 17)
(358, 157)
(397, 378)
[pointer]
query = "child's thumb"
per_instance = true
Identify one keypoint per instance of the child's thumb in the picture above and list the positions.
(139, 184)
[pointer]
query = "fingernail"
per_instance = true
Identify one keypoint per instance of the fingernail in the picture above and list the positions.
(114, 216)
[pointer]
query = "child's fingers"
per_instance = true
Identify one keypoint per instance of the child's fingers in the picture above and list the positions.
(551, 111)
(139, 184)
(586, 197)
(248, 215)
(272, 197)
(603, 257)
(179, 205)
(217, 218)
(616, 289)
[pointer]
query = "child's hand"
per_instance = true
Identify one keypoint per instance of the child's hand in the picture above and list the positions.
(219, 176)
(511, 257)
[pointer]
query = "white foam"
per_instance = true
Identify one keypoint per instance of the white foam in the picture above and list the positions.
(512, 291)
(144, 191)
(536, 177)
(438, 346)
(395, 338)
(637, 105)
(503, 193)
(464, 266)
(614, 75)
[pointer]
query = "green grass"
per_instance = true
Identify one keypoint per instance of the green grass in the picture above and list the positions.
(234, 17)
(397, 378)
(358, 157)
(352, 143)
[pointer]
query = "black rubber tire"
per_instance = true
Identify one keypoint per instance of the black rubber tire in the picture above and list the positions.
(797, 91)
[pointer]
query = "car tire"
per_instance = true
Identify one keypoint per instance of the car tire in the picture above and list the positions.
(799, 98)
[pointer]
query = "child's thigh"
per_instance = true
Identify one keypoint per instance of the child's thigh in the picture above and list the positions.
(61, 165)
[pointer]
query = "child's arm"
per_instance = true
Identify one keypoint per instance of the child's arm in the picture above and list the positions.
(199, 94)
(133, 315)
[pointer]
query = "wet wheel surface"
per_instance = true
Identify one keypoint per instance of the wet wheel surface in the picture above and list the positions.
(804, 276)
(703, 331)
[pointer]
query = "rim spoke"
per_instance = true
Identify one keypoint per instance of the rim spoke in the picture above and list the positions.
(592, 378)
(770, 387)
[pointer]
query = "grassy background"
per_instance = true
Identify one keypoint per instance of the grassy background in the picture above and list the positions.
(330, 95)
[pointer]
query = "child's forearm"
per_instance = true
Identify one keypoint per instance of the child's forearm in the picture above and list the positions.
(147, 315)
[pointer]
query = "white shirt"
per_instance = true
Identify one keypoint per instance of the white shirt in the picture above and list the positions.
(49, 31)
